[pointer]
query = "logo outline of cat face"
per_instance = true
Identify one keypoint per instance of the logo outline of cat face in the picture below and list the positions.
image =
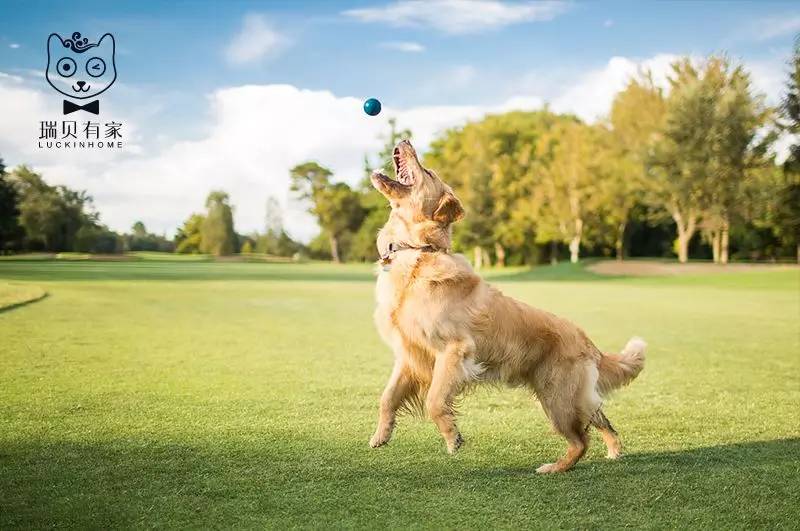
(79, 69)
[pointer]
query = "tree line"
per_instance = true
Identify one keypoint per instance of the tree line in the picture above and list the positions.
(690, 170)
(38, 217)
(687, 171)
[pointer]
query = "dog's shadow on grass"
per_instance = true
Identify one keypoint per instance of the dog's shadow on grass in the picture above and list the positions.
(294, 481)
(735, 455)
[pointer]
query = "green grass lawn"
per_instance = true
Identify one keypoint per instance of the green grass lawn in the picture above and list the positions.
(203, 394)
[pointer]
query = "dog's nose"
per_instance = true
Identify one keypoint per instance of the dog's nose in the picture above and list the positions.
(81, 84)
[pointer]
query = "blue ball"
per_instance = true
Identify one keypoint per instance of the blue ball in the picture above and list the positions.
(372, 107)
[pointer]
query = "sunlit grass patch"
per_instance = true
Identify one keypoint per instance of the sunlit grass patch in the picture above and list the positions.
(14, 294)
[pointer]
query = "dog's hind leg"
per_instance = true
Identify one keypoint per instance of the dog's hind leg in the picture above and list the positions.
(399, 387)
(570, 402)
(448, 377)
(608, 433)
(578, 440)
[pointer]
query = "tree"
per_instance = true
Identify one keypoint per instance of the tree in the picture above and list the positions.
(786, 220)
(96, 238)
(736, 151)
(701, 160)
(637, 117)
(463, 159)
(139, 229)
(50, 215)
(335, 205)
(273, 219)
(516, 153)
(10, 231)
(490, 165)
(189, 236)
(138, 239)
(678, 158)
(787, 206)
(790, 110)
(217, 235)
(275, 240)
(567, 190)
(57, 218)
(770, 212)
(708, 150)
(141, 240)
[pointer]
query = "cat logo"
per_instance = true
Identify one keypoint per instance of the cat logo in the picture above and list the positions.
(81, 70)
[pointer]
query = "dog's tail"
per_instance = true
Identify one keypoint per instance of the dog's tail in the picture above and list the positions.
(620, 369)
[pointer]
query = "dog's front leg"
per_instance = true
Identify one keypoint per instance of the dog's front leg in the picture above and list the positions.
(448, 377)
(398, 388)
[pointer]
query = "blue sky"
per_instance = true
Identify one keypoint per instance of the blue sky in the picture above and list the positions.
(180, 46)
(189, 70)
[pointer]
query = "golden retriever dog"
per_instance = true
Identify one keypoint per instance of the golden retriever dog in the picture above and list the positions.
(449, 329)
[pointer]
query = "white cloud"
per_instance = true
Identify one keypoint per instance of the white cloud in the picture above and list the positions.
(608, 23)
(20, 106)
(769, 77)
(31, 72)
(770, 28)
(11, 77)
(255, 41)
(459, 16)
(403, 46)
(13, 45)
(590, 96)
(781, 147)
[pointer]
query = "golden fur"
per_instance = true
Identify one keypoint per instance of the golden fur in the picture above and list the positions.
(449, 329)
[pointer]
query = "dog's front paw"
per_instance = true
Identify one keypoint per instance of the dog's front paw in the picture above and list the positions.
(453, 446)
(378, 439)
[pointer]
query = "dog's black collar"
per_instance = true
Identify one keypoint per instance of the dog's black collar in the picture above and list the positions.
(386, 258)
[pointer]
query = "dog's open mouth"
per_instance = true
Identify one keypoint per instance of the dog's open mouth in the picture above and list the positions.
(404, 174)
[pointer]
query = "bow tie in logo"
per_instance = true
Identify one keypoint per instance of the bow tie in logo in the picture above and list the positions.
(92, 107)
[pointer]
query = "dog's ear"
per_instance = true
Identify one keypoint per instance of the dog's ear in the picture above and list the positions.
(449, 209)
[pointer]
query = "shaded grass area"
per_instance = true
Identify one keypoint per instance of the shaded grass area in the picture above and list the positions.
(183, 270)
(325, 483)
(236, 399)
(546, 273)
